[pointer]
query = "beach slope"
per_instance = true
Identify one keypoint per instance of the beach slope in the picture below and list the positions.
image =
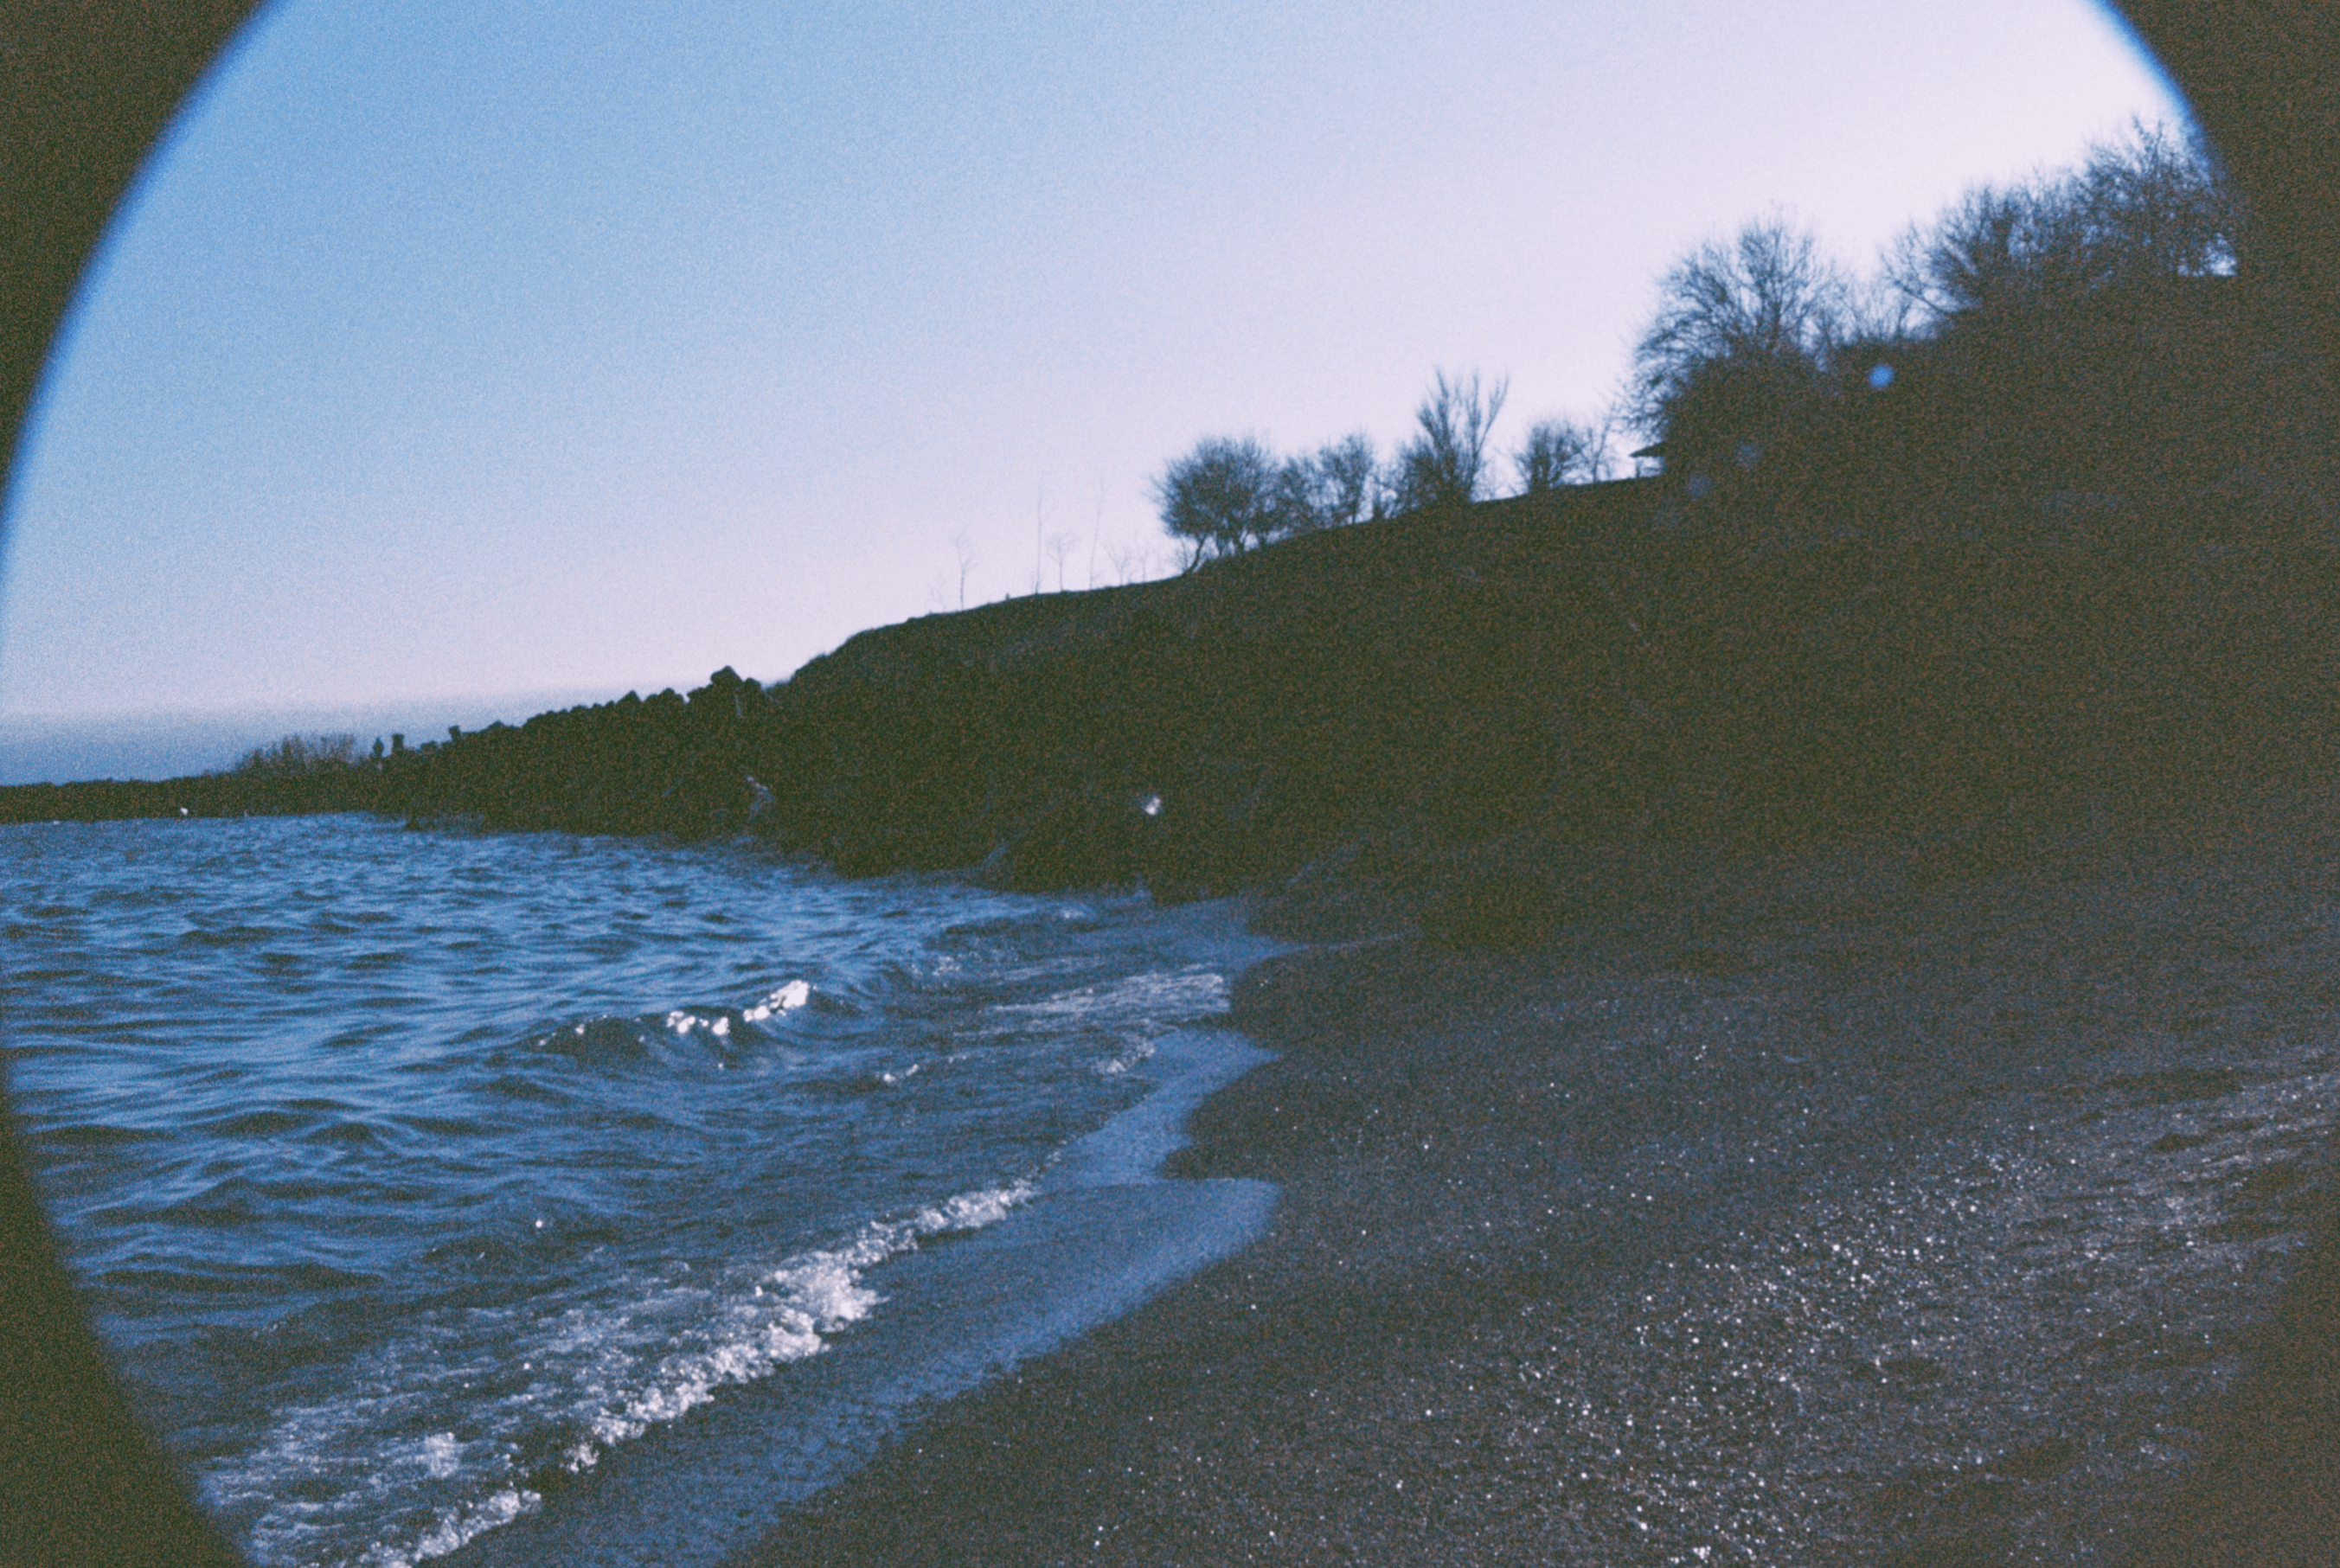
(1817, 1208)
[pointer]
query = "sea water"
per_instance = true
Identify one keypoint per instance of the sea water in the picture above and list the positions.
(526, 1198)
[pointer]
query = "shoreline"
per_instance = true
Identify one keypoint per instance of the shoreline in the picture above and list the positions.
(1811, 1210)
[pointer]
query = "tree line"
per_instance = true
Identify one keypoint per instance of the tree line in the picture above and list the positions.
(1231, 493)
(1998, 323)
(2098, 330)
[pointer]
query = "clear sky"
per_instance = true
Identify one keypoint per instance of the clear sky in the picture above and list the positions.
(450, 349)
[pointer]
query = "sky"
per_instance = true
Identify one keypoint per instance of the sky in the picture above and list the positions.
(447, 351)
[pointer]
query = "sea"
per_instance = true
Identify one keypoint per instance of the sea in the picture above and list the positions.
(521, 1198)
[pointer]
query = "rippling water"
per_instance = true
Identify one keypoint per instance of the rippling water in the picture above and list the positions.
(427, 1183)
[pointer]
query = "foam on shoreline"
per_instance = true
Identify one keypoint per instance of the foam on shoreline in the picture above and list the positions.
(1101, 1231)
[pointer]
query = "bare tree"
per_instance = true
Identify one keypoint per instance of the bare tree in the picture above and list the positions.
(965, 547)
(1133, 560)
(1445, 463)
(1348, 481)
(1766, 298)
(1095, 529)
(1059, 547)
(1221, 498)
(1340, 485)
(1559, 452)
(1293, 500)
(2151, 207)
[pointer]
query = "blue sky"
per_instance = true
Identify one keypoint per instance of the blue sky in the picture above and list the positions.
(451, 349)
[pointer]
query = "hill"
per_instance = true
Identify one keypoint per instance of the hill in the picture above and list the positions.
(1599, 665)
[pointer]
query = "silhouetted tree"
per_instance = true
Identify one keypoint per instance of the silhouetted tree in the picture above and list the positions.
(1221, 498)
(1445, 463)
(1349, 486)
(1291, 500)
(1766, 300)
(963, 546)
(2138, 212)
(1341, 485)
(1559, 452)
(2083, 330)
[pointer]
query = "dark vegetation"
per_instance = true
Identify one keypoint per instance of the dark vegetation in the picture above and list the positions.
(1230, 494)
(2038, 531)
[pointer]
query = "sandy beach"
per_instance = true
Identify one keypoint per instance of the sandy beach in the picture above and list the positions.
(1821, 1210)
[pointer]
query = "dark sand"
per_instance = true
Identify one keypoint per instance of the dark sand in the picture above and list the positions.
(1833, 1210)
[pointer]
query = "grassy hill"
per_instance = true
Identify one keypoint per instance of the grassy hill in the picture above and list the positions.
(1601, 665)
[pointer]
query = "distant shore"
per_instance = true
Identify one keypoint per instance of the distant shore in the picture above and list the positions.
(1805, 1208)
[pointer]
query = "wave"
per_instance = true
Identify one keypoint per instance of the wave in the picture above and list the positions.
(691, 1038)
(605, 1378)
(407, 1256)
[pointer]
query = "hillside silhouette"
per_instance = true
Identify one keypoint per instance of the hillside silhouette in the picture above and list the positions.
(2039, 536)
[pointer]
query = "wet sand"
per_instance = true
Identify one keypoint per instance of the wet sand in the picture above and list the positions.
(1855, 1208)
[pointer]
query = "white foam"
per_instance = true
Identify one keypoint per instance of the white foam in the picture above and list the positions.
(1133, 1051)
(1160, 997)
(973, 1210)
(440, 1456)
(786, 1316)
(616, 1372)
(457, 1527)
(786, 999)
